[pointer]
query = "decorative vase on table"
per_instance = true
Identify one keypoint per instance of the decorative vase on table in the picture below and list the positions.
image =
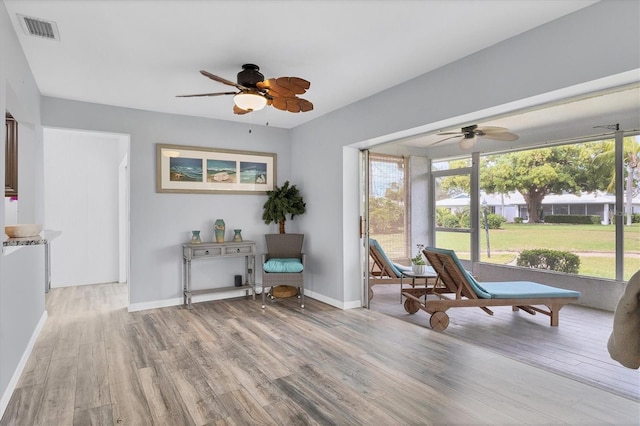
(236, 235)
(419, 269)
(195, 237)
(219, 228)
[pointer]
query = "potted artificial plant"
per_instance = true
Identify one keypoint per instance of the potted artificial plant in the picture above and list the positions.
(283, 201)
(418, 263)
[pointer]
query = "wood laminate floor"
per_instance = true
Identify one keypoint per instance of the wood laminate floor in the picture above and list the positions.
(576, 349)
(232, 363)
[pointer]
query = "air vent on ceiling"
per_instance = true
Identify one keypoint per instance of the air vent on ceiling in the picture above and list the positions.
(39, 27)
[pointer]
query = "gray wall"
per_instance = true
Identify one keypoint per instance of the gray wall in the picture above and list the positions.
(21, 284)
(22, 311)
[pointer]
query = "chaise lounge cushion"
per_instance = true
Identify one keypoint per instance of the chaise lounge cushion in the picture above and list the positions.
(524, 289)
(286, 265)
(506, 289)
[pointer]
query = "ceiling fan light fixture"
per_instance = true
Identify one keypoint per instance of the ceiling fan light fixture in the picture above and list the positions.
(467, 142)
(250, 101)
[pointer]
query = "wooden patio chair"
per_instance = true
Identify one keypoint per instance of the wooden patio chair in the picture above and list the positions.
(383, 271)
(456, 288)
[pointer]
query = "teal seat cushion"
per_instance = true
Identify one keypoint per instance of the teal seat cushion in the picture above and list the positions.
(524, 289)
(283, 265)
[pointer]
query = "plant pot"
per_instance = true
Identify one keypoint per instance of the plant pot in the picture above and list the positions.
(419, 269)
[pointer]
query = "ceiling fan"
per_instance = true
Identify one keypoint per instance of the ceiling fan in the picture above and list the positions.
(470, 134)
(254, 92)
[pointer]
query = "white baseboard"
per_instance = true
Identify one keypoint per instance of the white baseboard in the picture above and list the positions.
(6, 396)
(333, 302)
(80, 284)
(134, 307)
(354, 304)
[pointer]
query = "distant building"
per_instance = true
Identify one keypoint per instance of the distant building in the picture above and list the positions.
(512, 205)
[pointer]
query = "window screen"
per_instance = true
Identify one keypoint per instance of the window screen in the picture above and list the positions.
(388, 205)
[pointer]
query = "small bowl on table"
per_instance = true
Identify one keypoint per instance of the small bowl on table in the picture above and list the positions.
(23, 230)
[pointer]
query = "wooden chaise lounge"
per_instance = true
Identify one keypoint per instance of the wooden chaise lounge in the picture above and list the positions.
(455, 288)
(384, 271)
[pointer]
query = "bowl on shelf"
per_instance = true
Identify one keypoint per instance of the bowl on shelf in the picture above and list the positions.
(23, 230)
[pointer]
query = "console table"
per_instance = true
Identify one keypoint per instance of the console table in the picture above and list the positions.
(246, 249)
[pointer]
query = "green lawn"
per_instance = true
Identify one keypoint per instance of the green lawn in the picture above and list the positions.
(595, 242)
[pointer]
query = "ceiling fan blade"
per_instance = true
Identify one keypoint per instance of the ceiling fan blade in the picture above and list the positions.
(222, 80)
(445, 139)
(305, 105)
(491, 129)
(284, 86)
(240, 111)
(207, 94)
(292, 104)
(503, 136)
(451, 133)
(467, 143)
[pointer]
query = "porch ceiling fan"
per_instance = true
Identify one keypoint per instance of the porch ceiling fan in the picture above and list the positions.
(470, 134)
(254, 92)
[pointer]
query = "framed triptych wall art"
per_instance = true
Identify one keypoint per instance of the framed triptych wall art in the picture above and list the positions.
(191, 169)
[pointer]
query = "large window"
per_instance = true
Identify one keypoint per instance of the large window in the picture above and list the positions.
(388, 205)
(560, 198)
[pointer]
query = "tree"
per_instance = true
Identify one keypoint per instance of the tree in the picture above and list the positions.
(283, 201)
(631, 158)
(537, 173)
(395, 193)
(386, 216)
(456, 184)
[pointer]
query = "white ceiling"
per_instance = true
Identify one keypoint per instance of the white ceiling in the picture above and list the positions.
(141, 54)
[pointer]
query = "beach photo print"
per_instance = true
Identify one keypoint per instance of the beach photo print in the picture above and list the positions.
(190, 169)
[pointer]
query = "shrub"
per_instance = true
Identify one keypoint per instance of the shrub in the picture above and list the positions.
(573, 218)
(635, 218)
(554, 260)
(450, 221)
(517, 220)
(495, 221)
(441, 212)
